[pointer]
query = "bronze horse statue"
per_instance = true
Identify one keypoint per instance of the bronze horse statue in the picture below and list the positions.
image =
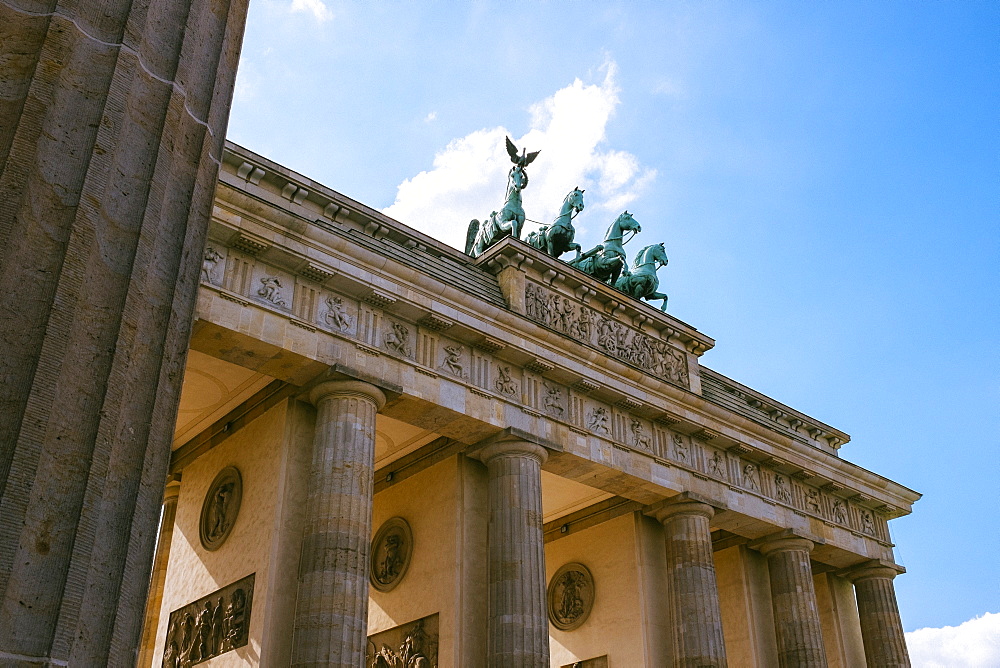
(557, 238)
(510, 219)
(642, 282)
(606, 260)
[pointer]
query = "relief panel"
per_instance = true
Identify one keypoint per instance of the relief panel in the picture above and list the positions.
(585, 324)
(212, 625)
(411, 645)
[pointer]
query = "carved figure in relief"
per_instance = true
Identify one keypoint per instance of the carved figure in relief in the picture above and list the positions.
(271, 290)
(236, 618)
(415, 651)
(205, 631)
(812, 500)
(208, 265)
(839, 511)
(389, 568)
(220, 509)
(606, 260)
(680, 447)
(598, 420)
(642, 282)
(504, 383)
(781, 490)
(557, 238)
(552, 402)
(669, 363)
(397, 338)
(639, 437)
(510, 219)
(715, 464)
(336, 315)
(453, 360)
(218, 630)
(571, 605)
(581, 327)
(750, 477)
(867, 523)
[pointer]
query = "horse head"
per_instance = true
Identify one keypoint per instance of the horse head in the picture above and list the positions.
(655, 253)
(574, 200)
(626, 223)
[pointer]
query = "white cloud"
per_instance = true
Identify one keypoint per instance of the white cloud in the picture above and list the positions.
(469, 176)
(972, 644)
(316, 7)
(430, 117)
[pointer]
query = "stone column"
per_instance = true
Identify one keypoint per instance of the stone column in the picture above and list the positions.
(518, 621)
(152, 617)
(881, 627)
(797, 624)
(111, 130)
(331, 613)
(695, 616)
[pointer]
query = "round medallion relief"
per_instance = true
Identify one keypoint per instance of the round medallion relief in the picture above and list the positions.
(570, 596)
(390, 553)
(222, 505)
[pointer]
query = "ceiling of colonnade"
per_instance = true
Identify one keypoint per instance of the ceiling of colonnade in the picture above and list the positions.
(213, 387)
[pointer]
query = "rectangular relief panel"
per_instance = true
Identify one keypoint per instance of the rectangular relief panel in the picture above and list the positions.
(411, 644)
(212, 625)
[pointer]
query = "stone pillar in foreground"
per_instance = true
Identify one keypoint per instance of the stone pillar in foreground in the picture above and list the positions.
(694, 594)
(518, 621)
(797, 624)
(331, 612)
(881, 627)
(112, 122)
(152, 618)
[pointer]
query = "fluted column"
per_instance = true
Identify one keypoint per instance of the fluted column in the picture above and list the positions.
(518, 622)
(160, 561)
(881, 627)
(694, 593)
(111, 131)
(797, 624)
(331, 612)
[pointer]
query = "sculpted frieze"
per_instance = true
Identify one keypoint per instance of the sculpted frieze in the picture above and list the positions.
(616, 339)
(454, 360)
(411, 645)
(504, 382)
(210, 626)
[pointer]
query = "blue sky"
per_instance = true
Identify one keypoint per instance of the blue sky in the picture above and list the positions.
(825, 176)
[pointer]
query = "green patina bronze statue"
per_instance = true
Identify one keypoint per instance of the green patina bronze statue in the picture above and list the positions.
(642, 282)
(606, 260)
(510, 219)
(557, 238)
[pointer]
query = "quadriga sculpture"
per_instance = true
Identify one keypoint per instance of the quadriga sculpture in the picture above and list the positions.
(642, 282)
(606, 260)
(557, 238)
(510, 219)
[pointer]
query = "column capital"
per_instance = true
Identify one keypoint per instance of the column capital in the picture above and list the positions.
(512, 441)
(686, 503)
(873, 568)
(171, 491)
(785, 541)
(336, 389)
(511, 448)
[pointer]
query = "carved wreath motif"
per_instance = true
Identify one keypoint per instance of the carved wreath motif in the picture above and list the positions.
(221, 506)
(570, 596)
(391, 550)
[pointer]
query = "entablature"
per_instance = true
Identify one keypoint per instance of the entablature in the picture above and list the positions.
(361, 280)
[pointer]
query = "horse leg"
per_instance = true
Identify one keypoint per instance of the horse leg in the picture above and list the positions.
(658, 295)
(577, 248)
